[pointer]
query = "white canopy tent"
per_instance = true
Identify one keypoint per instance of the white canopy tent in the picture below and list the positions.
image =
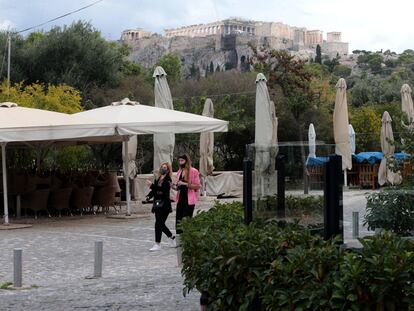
(30, 126)
(131, 118)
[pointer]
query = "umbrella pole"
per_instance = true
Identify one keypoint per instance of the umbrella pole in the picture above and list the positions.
(126, 176)
(3, 160)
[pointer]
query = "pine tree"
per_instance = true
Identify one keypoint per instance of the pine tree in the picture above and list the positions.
(318, 57)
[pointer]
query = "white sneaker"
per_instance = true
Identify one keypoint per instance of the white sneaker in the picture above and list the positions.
(172, 243)
(155, 248)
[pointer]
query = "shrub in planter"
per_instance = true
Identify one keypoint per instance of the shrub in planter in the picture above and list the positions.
(280, 266)
(380, 277)
(231, 261)
(391, 210)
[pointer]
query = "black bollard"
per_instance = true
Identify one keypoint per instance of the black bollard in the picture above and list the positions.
(280, 167)
(333, 197)
(247, 191)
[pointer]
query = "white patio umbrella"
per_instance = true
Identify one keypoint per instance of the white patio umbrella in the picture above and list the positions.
(352, 139)
(20, 125)
(207, 147)
(265, 137)
(129, 158)
(312, 141)
(131, 118)
(387, 137)
(341, 127)
(163, 143)
(407, 104)
(207, 143)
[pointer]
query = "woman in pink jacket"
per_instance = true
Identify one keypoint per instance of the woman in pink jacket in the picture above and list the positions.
(188, 184)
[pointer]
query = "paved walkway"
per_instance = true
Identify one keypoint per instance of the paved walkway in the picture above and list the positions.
(58, 255)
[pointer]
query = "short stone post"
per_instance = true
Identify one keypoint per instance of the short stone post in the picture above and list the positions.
(17, 267)
(179, 250)
(97, 271)
(355, 225)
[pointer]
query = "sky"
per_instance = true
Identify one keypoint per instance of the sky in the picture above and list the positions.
(365, 24)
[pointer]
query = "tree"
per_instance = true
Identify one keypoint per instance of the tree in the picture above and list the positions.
(172, 66)
(367, 124)
(331, 63)
(318, 57)
(342, 71)
(60, 98)
(406, 57)
(76, 55)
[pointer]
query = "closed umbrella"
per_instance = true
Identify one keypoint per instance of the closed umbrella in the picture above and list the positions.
(163, 143)
(312, 141)
(385, 174)
(129, 154)
(341, 126)
(265, 137)
(407, 103)
(352, 139)
(207, 143)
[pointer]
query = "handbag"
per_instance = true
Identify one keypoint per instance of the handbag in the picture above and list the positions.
(158, 205)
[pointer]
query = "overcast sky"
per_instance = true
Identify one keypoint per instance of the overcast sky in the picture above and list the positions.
(365, 24)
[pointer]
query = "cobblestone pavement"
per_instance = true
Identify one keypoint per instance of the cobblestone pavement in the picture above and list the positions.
(58, 255)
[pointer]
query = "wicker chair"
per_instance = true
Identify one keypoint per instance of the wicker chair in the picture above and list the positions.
(60, 200)
(81, 199)
(104, 198)
(36, 201)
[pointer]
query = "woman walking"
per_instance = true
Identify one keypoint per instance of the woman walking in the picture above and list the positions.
(160, 190)
(187, 185)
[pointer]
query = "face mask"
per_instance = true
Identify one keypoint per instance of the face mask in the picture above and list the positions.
(182, 165)
(163, 171)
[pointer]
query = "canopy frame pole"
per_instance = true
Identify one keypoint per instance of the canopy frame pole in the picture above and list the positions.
(3, 161)
(126, 176)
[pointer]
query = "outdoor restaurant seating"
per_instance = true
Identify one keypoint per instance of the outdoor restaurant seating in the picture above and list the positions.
(364, 172)
(36, 201)
(81, 199)
(55, 193)
(59, 199)
(104, 198)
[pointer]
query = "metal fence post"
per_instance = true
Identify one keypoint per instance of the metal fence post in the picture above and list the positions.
(333, 198)
(247, 191)
(280, 167)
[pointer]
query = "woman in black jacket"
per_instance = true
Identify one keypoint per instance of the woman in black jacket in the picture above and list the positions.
(160, 191)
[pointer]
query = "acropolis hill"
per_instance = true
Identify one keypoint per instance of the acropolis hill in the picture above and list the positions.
(225, 44)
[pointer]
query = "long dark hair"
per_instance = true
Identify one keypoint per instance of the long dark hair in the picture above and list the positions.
(187, 167)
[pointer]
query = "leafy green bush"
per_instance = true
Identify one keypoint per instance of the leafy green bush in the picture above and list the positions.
(391, 210)
(280, 266)
(379, 278)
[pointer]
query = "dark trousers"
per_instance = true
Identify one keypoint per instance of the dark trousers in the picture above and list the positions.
(183, 210)
(160, 227)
